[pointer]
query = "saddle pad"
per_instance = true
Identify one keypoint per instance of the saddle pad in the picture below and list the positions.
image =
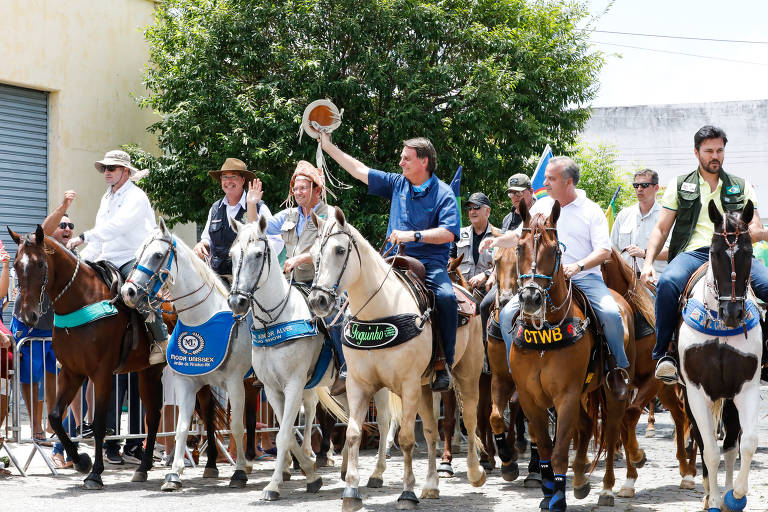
(85, 315)
(326, 354)
(695, 316)
(382, 333)
(549, 337)
(198, 350)
(282, 332)
(642, 327)
(466, 301)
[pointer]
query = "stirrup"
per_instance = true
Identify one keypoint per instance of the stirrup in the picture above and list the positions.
(666, 374)
(157, 352)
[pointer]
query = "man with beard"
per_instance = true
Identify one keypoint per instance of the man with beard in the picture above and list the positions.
(685, 204)
(518, 189)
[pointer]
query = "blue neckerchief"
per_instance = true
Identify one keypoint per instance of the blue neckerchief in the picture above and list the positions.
(695, 316)
(200, 349)
(420, 190)
(282, 332)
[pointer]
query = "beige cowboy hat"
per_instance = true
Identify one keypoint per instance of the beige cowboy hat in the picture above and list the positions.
(320, 116)
(115, 157)
(233, 165)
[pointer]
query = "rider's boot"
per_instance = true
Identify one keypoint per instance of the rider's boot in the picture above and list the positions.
(618, 382)
(666, 370)
(442, 380)
(340, 384)
(159, 334)
(157, 352)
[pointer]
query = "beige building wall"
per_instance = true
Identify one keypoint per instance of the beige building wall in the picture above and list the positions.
(90, 56)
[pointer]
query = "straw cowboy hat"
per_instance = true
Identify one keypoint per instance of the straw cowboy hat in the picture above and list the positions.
(308, 171)
(320, 115)
(233, 165)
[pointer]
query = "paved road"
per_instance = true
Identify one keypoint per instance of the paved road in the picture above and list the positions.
(657, 487)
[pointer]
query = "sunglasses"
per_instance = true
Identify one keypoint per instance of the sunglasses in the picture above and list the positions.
(112, 168)
(65, 225)
(643, 185)
(474, 207)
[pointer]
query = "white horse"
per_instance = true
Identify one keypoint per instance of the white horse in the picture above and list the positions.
(344, 260)
(721, 368)
(165, 264)
(285, 369)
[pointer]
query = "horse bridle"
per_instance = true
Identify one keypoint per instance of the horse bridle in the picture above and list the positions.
(351, 242)
(63, 290)
(731, 255)
(249, 294)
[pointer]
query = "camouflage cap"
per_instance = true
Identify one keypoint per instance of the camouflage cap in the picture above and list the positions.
(519, 182)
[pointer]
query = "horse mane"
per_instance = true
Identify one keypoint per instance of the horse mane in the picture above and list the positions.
(203, 270)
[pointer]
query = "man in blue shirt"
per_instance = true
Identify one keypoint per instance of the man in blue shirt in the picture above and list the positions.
(424, 216)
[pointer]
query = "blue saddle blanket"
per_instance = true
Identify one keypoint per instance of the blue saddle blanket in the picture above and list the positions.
(695, 315)
(282, 332)
(200, 349)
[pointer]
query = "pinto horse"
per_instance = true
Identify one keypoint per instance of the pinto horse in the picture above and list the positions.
(720, 346)
(562, 378)
(622, 278)
(344, 260)
(92, 350)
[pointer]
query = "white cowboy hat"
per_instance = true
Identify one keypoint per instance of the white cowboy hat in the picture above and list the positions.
(320, 115)
(123, 159)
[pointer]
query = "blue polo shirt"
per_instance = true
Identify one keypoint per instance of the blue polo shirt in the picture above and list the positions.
(418, 210)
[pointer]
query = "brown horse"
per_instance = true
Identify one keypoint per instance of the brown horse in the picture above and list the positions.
(563, 378)
(619, 276)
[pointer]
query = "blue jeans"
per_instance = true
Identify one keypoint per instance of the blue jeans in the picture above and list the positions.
(602, 302)
(447, 312)
(671, 285)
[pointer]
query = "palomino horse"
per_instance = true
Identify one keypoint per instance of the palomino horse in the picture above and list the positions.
(340, 254)
(561, 378)
(165, 265)
(91, 350)
(622, 278)
(291, 371)
(720, 347)
(503, 393)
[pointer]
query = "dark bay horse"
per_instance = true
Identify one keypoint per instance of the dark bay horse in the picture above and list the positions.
(563, 378)
(622, 278)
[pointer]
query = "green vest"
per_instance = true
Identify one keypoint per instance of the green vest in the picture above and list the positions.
(689, 207)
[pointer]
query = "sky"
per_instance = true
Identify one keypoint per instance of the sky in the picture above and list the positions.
(633, 76)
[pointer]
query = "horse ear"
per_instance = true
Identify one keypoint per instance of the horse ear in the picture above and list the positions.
(555, 214)
(524, 214)
(262, 224)
(39, 234)
(455, 262)
(748, 212)
(235, 225)
(14, 235)
(340, 218)
(317, 221)
(714, 214)
(162, 226)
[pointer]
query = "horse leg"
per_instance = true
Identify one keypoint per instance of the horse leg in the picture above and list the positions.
(701, 408)
(449, 423)
(747, 404)
(411, 395)
(151, 393)
(208, 406)
(251, 417)
(483, 415)
(467, 391)
(429, 424)
(102, 390)
(670, 400)
(521, 443)
(650, 429)
(381, 398)
(611, 423)
(731, 441)
(310, 401)
(358, 408)
(275, 398)
(237, 400)
(635, 455)
(185, 390)
(582, 435)
(69, 384)
(327, 422)
(501, 392)
(568, 410)
(538, 427)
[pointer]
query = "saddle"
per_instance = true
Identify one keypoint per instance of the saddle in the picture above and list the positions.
(682, 302)
(112, 278)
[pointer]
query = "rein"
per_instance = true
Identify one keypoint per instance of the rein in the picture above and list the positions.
(731, 253)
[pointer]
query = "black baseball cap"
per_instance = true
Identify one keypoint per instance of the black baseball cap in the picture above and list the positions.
(480, 199)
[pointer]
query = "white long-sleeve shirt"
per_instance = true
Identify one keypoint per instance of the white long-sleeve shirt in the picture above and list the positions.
(124, 220)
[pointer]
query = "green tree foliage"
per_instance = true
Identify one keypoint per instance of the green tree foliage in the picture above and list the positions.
(600, 174)
(488, 81)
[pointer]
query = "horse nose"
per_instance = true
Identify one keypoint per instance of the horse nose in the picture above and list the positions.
(318, 303)
(238, 303)
(129, 293)
(31, 318)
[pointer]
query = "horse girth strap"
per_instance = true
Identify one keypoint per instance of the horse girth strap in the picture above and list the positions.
(130, 340)
(697, 276)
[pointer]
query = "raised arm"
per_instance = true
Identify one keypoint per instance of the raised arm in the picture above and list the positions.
(51, 222)
(352, 165)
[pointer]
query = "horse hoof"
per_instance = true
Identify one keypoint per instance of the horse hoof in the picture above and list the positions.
(313, 487)
(139, 476)
(650, 432)
(487, 465)
(375, 483)
(510, 471)
(83, 464)
(351, 504)
(532, 481)
(582, 492)
(732, 503)
(430, 494)
(322, 461)
(687, 483)
(605, 500)
(93, 483)
(445, 470)
(480, 482)
(271, 495)
(544, 504)
(407, 501)
(238, 480)
(211, 473)
(172, 483)
(286, 476)
(626, 492)
(639, 464)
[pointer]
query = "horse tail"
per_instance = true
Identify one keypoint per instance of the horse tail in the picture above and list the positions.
(717, 412)
(598, 414)
(395, 408)
(331, 405)
(220, 415)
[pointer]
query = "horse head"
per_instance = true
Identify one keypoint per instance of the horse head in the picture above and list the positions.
(730, 258)
(538, 259)
(505, 262)
(153, 269)
(455, 274)
(251, 255)
(334, 266)
(32, 271)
